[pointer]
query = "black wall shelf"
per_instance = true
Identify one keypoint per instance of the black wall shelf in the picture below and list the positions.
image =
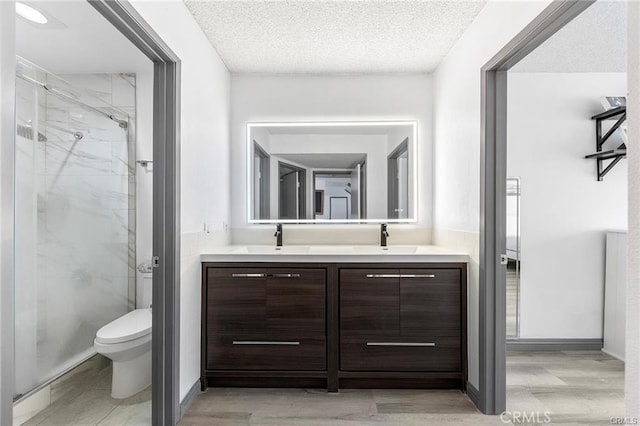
(614, 155)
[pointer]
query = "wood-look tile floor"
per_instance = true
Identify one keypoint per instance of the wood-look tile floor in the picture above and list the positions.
(577, 387)
(83, 398)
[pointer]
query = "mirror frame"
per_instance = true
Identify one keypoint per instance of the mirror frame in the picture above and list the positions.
(413, 148)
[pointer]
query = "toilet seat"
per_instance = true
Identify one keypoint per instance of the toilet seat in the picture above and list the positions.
(131, 326)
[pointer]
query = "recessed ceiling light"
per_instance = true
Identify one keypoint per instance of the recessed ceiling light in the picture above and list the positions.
(31, 14)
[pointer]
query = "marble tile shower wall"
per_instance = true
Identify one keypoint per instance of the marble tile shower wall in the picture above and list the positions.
(119, 91)
(81, 227)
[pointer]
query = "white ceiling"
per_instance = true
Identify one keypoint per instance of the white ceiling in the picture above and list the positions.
(595, 41)
(79, 41)
(355, 129)
(333, 36)
(324, 161)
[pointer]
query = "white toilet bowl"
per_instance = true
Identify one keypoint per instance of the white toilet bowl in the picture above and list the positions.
(127, 342)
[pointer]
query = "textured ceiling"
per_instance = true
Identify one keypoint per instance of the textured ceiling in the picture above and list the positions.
(324, 36)
(595, 41)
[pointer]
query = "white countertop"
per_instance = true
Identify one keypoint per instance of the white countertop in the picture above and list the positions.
(334, 254)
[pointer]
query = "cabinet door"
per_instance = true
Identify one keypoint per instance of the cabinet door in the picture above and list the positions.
(369, 302)
(430, 302)
(236, 301)
(296, 302)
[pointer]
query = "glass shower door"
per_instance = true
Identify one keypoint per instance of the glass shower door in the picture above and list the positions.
(74, 245)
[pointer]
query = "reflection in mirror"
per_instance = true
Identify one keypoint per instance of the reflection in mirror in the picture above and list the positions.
(354, 172)
(261, 182)
(513, 256)
(399, 181)
(291, 191)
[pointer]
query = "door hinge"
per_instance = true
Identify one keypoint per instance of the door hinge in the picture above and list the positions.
(504, 259)
(155, 262)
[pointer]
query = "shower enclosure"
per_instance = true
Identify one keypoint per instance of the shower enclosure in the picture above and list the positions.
(74, 226)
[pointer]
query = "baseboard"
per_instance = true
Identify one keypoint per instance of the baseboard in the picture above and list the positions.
(616, 356)
(189, 398)
(554, 344)
(474, 395)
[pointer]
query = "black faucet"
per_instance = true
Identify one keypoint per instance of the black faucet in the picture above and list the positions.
(383, 234)
(278, 235)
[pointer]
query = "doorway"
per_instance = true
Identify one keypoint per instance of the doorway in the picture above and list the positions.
(338, 187)
(398, 181)
(494, 200)
(261, 182)
(292, 187)
(165, 263)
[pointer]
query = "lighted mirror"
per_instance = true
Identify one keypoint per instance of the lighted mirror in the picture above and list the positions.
(340, 172)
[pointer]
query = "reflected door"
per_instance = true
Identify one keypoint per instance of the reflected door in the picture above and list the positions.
(398, 182)
(513, 255)
(291, 199)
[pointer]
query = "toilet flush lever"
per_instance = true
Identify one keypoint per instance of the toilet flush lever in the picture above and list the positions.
(155, 261)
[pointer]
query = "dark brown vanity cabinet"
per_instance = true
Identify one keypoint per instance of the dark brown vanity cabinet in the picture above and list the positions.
(265, 319)
(334, 325)
(400, 320)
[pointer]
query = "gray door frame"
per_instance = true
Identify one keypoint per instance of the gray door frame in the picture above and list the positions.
(265, 181)
(165, 395)
(166, 205)
(493, 175)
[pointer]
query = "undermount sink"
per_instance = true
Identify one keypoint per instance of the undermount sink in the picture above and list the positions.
(331, 250)
(385, 250)
(273, 250)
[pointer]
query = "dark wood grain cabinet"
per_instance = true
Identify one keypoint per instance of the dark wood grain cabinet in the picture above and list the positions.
(400, 320)
(334, 325)
(265, 319)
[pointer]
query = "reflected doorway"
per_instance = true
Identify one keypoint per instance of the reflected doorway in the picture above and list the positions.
(292, 191)
(398, 185)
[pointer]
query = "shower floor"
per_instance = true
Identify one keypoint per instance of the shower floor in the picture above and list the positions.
(83, 397)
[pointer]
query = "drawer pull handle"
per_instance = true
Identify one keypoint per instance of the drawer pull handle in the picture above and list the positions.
(248, 275)
(400, 276)
(284, 275)
(423, 344)
(260, 342)
(418, 276)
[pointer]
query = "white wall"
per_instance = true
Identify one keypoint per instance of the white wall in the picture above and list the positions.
(326, 98)
(204, 143)
(457, 138)
(565, 211)
(632, 348)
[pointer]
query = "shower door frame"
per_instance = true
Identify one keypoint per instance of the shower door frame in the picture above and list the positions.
(166, 205)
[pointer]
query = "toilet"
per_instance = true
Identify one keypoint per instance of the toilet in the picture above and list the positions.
(127, 342)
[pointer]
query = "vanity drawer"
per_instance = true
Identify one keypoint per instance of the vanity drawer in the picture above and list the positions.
(260, 353)
(400, 354)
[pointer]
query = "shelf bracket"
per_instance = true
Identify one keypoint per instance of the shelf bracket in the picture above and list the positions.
(601, 155)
